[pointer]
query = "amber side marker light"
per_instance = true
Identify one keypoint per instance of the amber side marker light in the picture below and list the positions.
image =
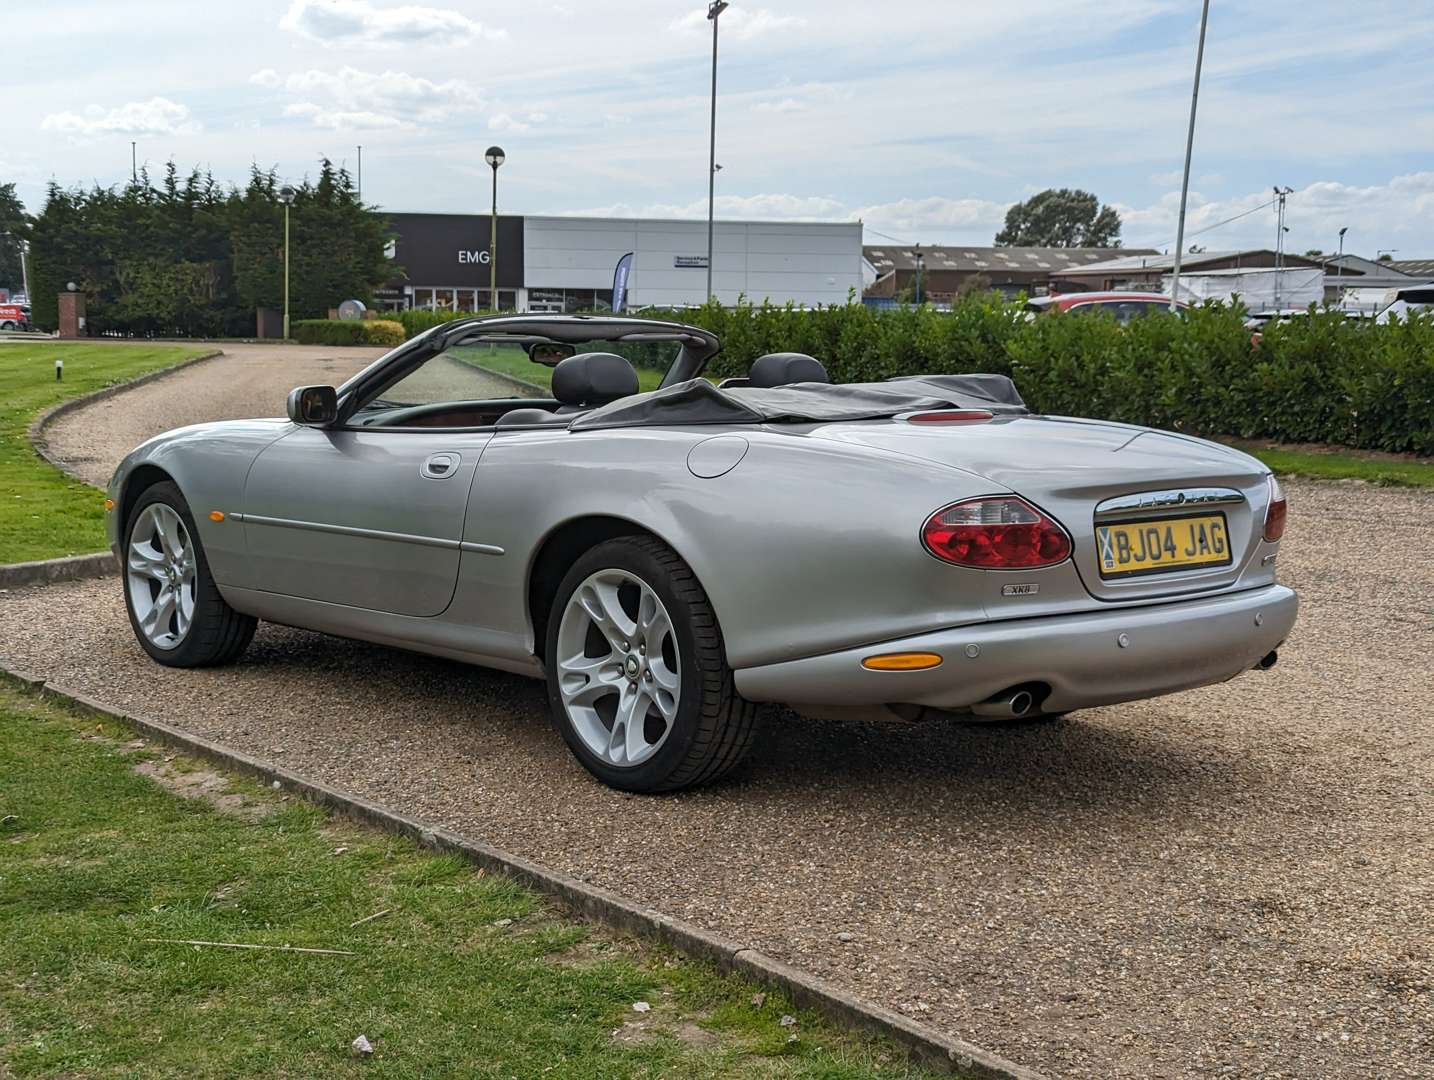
(902, 661)
(216, 515)
(109, 504)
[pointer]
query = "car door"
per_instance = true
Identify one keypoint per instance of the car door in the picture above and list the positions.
(363, 518)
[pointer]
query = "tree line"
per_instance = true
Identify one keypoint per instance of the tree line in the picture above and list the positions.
(189, 257)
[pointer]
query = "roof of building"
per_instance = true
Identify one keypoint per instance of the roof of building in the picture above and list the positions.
(1362, 273)
(1417, 268)
(888, 257)
(1137, 261)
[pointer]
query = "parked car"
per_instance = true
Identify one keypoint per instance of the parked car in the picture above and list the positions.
(668, 560)
(1123, 306)
(1402, 301)
(14, 316)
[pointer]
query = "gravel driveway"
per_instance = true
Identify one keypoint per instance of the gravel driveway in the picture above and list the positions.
(1235, 881)
(248, 380)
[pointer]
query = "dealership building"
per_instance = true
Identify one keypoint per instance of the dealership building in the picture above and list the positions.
(569, 263)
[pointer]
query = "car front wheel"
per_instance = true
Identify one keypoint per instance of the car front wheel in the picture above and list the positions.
(637, 676)
(174, 606)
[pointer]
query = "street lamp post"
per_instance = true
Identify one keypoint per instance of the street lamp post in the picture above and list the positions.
(494, 156)
(1339, 266)
(714, 11)
(1189, 147)
(286, 196)
(920, 266)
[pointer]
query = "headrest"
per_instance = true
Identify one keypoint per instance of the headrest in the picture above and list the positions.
(593, 378)
(781, 368)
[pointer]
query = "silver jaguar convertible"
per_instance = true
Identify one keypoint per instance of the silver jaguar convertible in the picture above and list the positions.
(668, 560)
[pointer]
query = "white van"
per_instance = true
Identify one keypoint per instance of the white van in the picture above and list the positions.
(1401, 301)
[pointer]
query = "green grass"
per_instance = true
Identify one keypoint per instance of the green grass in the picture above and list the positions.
(1342, 465)
(468, 975)
(44, 513)
(512, 361)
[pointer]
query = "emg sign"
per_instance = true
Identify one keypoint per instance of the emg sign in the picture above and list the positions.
(465, 257)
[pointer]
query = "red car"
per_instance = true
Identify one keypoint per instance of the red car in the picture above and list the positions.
(1124, 306)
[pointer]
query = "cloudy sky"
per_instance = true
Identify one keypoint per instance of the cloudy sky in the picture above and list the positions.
(923, 118)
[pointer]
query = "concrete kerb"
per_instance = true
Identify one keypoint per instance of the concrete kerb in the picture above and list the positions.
(36, 431)
(50, 571)
(928, 1047)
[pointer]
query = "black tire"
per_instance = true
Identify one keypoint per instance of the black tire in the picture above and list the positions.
(714, 727)
(217, 634)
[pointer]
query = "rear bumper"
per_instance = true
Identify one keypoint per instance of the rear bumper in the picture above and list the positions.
(1081, 658)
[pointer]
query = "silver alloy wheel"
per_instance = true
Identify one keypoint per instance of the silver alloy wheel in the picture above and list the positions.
(618, 667)
(160, 565)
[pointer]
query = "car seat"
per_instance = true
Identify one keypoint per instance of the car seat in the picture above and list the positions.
(580, 383)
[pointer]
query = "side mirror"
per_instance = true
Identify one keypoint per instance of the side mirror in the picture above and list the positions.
(313, 406)
(550, 353)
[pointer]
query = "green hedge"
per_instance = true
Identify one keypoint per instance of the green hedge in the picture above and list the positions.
(1324, 378)
(416, 321)
(349, 332)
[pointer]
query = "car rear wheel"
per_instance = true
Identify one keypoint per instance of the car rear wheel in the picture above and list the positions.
(637, 676)
(174, 606)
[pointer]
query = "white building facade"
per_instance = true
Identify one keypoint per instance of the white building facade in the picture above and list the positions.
(804, 263)
(569, 263)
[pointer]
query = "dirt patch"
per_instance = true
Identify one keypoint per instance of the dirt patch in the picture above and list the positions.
(205, 785)
(659, 1020)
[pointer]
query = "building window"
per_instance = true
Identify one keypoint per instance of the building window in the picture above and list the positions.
(569, 300)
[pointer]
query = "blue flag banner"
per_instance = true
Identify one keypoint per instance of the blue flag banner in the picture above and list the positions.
(619, 283)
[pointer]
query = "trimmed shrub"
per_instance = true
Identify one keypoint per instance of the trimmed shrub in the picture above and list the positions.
(349, 332)
(416, 321)
(1318, 378)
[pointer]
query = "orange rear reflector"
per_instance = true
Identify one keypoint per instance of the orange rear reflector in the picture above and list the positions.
(109, 504)
(216, 515)
(902, 661)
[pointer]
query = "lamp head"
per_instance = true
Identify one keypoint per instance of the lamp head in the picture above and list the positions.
(716, 7)
(286, 194)
(494, 156)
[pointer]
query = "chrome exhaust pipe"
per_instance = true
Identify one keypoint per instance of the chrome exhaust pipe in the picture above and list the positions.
(1269, 660)
(1007, 705)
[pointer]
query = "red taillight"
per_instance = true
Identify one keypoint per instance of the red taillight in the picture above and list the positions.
(951, 416)
(1275, 512)
(1000, 532)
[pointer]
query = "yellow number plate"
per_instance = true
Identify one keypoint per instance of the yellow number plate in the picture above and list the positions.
(1154, 546)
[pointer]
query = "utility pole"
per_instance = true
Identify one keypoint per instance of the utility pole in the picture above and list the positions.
(1280, 193)
(286, 196)
(714, 11)
(1189, 146)
(133, 163)
(360, 174)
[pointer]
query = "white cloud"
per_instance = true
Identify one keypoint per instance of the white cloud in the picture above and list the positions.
(357, 22)
(340, 120)
(504, 122)
(378, 99)
(268, 78)
(1314, 214)
(786, 105)
(157, 116)
(916, 218)
(767, 207)
(744, 24)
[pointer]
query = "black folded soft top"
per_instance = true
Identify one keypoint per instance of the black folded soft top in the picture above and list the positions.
(698, 401)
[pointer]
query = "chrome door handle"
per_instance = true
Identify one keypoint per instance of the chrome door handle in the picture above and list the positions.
(440, 466)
